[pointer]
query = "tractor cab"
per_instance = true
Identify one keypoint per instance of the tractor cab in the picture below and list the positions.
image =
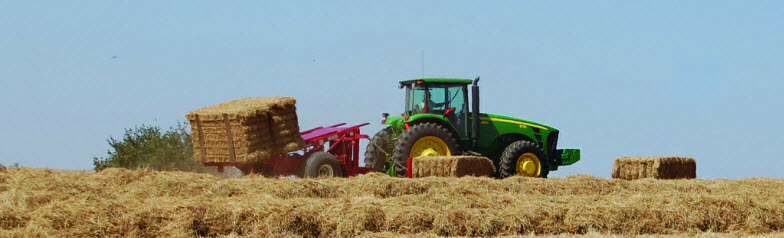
(440, 96)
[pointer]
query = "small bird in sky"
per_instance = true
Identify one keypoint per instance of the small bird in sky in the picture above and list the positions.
(114, 57)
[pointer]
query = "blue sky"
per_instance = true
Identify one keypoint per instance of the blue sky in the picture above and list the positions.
(690, 78)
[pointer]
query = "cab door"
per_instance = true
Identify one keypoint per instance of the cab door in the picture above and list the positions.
(457, 108)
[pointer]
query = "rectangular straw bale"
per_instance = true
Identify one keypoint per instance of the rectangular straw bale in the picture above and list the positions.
(284, 117)
(631, 168)
(245, 138)
(254, 134)
(225, 158)
(245, 109)
(284, 125)
(451, 166)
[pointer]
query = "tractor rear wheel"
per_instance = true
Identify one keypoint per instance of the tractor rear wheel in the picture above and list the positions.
(523, 158)
(424, 139)
(323, 164)
(379, 150)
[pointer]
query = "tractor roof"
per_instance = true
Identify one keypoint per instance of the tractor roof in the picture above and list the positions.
(439, 80)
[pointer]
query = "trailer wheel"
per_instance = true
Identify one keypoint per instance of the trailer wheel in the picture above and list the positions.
(323, 164)
(424, 139)
(379, 150)
(523, 158)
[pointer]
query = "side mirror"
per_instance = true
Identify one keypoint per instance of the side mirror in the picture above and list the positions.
(385, 115)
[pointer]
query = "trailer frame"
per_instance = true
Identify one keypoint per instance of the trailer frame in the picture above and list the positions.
(338, 140)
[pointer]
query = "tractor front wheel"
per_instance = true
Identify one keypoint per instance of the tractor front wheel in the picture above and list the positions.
(424, 139)
(523, 158)
(379, 150)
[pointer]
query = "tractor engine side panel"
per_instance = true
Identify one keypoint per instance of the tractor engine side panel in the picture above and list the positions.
(497, 133)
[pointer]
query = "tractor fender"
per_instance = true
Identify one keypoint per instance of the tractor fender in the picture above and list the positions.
(433, 118)
(509, 138)
(395, 122)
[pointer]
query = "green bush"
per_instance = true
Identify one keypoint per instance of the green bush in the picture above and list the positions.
(148, 146)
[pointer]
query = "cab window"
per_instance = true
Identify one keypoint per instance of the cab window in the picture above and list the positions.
(415, 99)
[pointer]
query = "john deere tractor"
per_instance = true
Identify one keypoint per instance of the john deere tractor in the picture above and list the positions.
(437, 122)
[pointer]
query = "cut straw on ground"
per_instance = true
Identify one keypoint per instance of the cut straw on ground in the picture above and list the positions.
(119, 202)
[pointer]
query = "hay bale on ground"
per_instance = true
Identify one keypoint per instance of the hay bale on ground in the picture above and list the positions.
(254, 127)
(631, 168)
(451, 166)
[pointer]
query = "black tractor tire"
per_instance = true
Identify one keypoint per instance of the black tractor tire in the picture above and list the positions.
(406, 141)
(379, 151)
(507, 166)
(323, 164)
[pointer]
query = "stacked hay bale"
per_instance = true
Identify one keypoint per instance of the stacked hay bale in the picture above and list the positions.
(631, 168)
(245, 128)
(451, 166)
(285, 126)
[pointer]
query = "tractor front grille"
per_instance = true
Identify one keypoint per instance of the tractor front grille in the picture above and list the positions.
(552, 142)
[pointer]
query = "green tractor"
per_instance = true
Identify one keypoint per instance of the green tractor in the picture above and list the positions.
(437, 122)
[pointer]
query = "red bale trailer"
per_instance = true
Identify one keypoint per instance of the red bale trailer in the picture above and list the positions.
(331, 151)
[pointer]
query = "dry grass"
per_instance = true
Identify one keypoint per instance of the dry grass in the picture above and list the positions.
(118, 202)
(452, 166)
(594, 235)
(631, 168)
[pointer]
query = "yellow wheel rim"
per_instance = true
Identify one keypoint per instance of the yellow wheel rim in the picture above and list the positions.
(528, 165)
(429, 146)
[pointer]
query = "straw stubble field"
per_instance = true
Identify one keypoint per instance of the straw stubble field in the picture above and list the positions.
(119, 202)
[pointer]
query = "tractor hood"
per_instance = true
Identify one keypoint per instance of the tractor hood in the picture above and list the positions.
(505, 119)
(397, 122)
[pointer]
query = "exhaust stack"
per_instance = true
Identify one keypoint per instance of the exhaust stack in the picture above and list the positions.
(475, 112)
